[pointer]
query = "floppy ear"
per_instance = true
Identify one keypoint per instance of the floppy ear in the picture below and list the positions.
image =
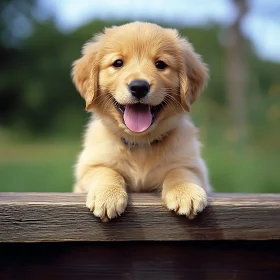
(85, 71)
(193, 74)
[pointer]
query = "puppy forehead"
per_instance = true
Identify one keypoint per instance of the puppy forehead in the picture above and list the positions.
(139, 39)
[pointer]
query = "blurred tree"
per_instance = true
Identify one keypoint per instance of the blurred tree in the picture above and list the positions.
(14, 15)
(236, 69)
(16, 20)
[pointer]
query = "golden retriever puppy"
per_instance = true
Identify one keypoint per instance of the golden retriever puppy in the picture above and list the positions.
(139, 81)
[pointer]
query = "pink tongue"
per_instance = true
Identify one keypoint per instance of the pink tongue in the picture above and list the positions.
(137, 117)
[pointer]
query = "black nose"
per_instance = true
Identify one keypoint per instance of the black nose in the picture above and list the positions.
(139, 88)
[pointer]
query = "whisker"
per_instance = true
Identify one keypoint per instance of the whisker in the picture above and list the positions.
(171, 98)
(170, 105)
(171, 91)
(108, 102)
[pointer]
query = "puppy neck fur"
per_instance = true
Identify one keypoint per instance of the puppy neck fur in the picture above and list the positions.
(134, 144)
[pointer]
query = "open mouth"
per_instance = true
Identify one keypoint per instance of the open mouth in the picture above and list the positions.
(139, 117)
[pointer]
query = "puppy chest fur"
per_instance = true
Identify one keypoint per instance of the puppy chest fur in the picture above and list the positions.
(144, 167)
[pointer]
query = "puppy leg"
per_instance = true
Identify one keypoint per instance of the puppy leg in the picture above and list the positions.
(182, 193)
(107, 197)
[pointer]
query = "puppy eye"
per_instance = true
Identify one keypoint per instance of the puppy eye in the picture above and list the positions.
(118, 63)
(160, 65)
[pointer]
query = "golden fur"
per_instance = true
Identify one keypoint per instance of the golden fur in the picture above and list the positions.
(166, 156)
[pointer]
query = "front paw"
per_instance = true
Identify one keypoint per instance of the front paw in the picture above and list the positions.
(107, 202)
(186, 199)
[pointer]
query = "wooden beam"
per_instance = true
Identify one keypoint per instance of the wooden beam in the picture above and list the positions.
(57, 217)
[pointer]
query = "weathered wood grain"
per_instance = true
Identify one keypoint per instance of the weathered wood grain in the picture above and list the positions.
(56, 217)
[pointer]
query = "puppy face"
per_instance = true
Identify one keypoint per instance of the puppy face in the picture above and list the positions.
(137, 75)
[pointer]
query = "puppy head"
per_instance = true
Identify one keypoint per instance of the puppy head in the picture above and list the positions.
(138, 75)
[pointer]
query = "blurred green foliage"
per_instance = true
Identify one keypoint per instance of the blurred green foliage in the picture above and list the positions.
(42, 116)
